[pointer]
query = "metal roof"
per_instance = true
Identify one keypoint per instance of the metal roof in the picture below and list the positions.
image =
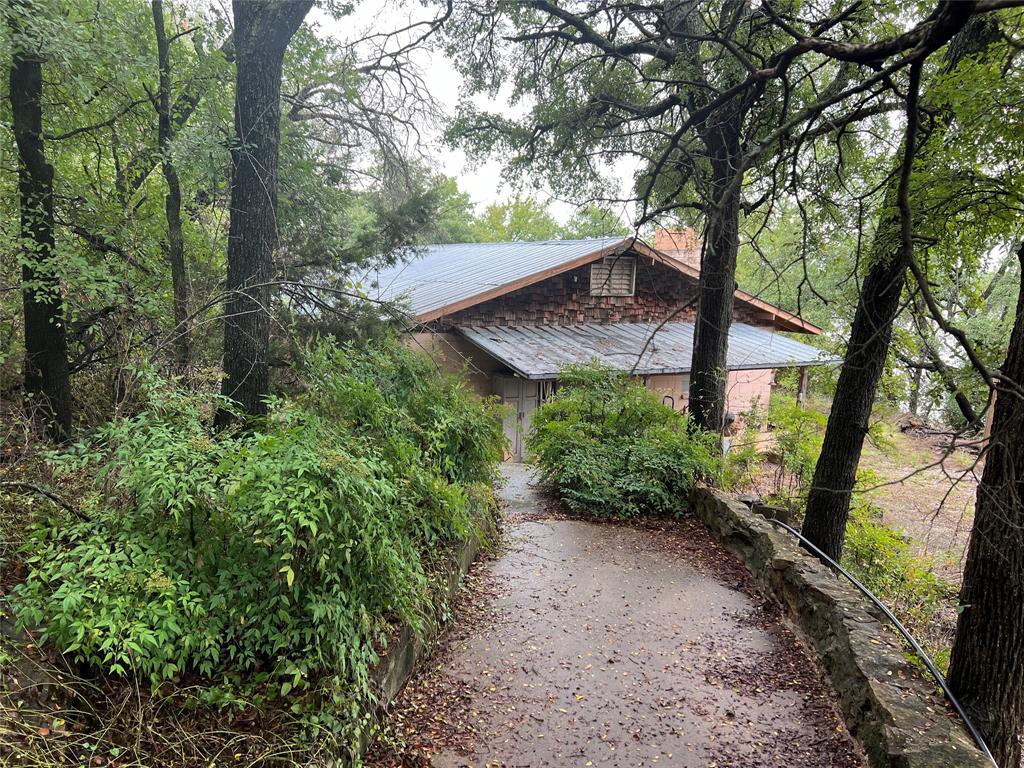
(440, 275)
(539, 351)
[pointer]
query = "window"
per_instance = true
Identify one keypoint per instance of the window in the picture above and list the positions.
(613, 276)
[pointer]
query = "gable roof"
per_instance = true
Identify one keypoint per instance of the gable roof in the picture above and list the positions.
(442, 279)
(788, 320)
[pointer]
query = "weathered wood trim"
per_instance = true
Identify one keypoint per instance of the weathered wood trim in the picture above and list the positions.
(783, 320)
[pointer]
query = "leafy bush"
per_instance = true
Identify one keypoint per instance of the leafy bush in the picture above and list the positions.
(609, 447)
(799, 432)
(740, 466)
(290, 549)
(882, 559)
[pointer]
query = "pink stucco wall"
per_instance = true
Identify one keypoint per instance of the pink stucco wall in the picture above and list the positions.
(453, 353)
(742, 390)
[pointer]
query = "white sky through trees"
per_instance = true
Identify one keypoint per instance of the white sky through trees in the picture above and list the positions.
(483, 181)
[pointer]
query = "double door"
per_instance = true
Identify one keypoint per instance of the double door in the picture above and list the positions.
(520, 397)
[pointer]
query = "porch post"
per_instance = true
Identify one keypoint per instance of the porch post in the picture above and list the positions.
(801, 390)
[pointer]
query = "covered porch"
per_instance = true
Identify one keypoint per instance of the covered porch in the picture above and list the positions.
(528, 359)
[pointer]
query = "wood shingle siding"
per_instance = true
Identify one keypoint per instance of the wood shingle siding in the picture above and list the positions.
(661, 292)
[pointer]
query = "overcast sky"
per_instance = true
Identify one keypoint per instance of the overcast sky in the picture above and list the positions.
(483, 183)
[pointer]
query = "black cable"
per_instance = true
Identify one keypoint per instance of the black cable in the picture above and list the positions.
(978, 738)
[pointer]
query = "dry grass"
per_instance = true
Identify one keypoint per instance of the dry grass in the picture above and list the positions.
(51, 716)
(928, 492)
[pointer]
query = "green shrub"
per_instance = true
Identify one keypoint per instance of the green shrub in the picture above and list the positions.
(609, 448)
(799, 432)
(291, 549)
(741, 465)
(881, 557)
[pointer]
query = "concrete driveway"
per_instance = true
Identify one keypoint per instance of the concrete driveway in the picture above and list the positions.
(599, 644)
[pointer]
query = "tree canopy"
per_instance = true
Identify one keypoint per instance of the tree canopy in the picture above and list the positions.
(194, 191)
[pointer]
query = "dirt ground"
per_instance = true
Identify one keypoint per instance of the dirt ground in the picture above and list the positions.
(928, 491)
(598, 644)
(922, 487)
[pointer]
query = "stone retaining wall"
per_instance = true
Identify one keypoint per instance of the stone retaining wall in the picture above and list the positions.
(399, 663)
(888, 707)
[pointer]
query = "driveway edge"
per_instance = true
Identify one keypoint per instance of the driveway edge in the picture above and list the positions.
(887, 706)
(402, 658)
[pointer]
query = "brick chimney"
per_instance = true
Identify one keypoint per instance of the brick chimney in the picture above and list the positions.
(681, 244)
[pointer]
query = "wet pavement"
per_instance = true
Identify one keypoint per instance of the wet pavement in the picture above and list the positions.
(599, 644)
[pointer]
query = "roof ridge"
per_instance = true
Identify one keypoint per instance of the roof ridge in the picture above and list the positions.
(488, 270)
(552, 241)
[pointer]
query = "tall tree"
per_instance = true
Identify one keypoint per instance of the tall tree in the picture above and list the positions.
(46, 371)
(721, 133)
(174, 244)
(263, 29)
(828, 503)
(593, 221)
(985, 670)
(520, 219)
(699, 96)
(454, 220)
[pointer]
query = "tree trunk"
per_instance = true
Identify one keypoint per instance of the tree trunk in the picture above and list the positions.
(938, 366)
(986, 670)
(915, 392)
(46, 374)
(709, 366)
(174, 246)
(263, 30)
(828, 503)
(946, 377)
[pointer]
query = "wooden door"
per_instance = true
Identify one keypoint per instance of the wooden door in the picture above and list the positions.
(528, 404)
(520, 398)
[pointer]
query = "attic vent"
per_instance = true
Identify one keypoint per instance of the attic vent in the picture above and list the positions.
(613, 276)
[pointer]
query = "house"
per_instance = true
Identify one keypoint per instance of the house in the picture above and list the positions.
(517, 312)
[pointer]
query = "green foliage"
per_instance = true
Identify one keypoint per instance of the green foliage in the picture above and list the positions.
(292, 549)
(987, 320)
(977, 391)
(609, 447)
(350, 188)
(593, 221)
(801, 260)
(455, 222)
(519, 219)
(741, 463)
(882, 558)
(799, 432)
